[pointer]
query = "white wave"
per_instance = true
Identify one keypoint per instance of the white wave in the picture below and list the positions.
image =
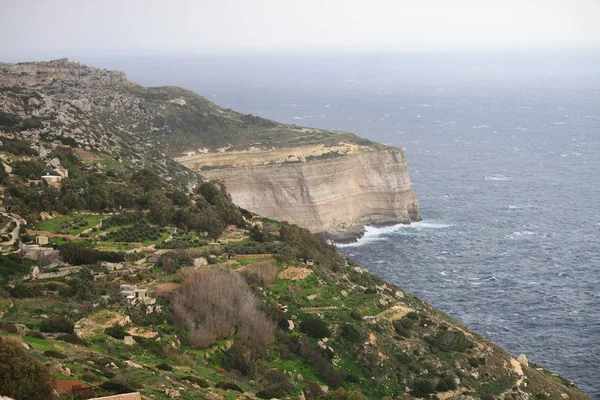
(481, 126)
(373, 234)
(516, 235)
(497, 177)
(520, 206)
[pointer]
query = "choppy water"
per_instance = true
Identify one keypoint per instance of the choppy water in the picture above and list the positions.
(504, 155)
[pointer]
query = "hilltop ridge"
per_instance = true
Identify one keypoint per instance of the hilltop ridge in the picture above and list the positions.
(100, 110)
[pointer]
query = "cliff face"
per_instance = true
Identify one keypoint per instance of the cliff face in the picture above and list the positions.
(336, 196)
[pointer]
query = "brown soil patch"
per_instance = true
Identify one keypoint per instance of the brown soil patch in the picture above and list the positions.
(101, 320)
(142, 332)
(318, 309)
(166, 287)
(372, 338)
(87, 155)
(253, 256)
(295, 274)
(394, 313)
(449, 394)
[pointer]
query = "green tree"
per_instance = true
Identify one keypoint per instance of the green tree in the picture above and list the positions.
(161, 208)
(22, 377)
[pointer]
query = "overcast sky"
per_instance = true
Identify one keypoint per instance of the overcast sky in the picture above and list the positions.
(55, 28)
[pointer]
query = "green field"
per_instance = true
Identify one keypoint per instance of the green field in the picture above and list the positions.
(67, 224)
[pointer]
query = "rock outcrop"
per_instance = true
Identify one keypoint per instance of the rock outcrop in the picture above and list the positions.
(336, 196)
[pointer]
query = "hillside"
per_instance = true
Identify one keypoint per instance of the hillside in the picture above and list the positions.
(71, 100)
(98, 110)
(122, 271)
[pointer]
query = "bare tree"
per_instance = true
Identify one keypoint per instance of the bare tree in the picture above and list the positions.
(216, 304)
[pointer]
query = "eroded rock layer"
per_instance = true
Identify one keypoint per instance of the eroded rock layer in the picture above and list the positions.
(336, 196)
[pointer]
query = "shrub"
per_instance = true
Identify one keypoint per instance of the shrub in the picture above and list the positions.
(263, 273)
(243, 355)
(350, 333)
(423, 387)
(56, 325)
(117, 387)
(78, 254)
(198, 381)
(72, 339)
(23, 377)
(313, 391)
(217, 303)
(55, 354)
(277, 385)
(356, 315)
(8, 327)
(413, 315)
(229, 386)
(164, 367)
(341, 394)
(315, 328)
(403, 326)
(452, 341)
(117, 331)
(445, 383)
(171, 262)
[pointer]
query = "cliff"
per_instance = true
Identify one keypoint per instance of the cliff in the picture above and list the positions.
(336, 196)
(327, 181)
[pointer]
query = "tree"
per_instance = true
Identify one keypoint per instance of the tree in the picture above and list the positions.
(22, 377)
(161, 208)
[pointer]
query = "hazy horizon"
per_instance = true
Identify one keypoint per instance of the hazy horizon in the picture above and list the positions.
(35, 30)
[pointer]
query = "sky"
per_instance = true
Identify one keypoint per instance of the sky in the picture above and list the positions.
(68, 28)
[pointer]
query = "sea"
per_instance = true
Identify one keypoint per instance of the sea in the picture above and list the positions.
(504, 157)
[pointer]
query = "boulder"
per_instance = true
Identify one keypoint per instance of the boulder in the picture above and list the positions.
(523, 360)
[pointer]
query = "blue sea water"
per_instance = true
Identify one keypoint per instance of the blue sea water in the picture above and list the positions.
(504, 156)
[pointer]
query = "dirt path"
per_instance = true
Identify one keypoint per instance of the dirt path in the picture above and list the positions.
(14, 234)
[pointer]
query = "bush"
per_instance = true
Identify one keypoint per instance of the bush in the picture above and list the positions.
(341, 394)
(423, 387)
(403, 326)
(445, 383)
(413, 315)
(72, 339)
(263, 273)
(8, 327)
(55, 354)
(452, 341)
(350, 333)
(277, 385)
(315, 328)
(164, 367)
(78, 254)
(229, 386)
(217, 303)
(313, 391)
(23, 377)
(243, 355)
(116, 331)
(117, 387)
(356, 315)
(171, 262)
(56, 325)
(194, 379)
